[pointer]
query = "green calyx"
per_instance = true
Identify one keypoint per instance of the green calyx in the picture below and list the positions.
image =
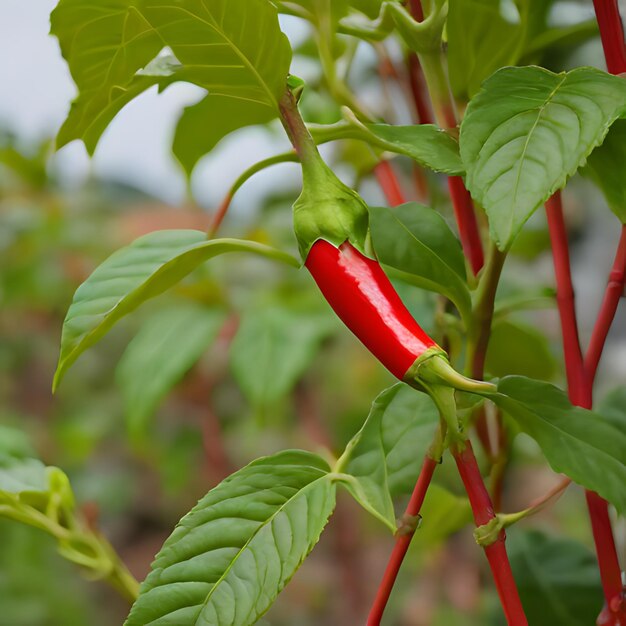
(326, 209)
(438, 370)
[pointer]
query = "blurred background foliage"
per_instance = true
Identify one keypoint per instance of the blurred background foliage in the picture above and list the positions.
(243, 359)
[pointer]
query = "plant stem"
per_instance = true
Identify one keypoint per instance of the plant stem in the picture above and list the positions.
(612, 34)
(402, 543)
(466, 221)
(417, 84)
(612, 295)
(433, 67)
(298, 133)
(120, 577)
(565, 295)
(389, 183)
(482, 509)
(479, 342)
(220, 214)
(580, 387)
(483, 311)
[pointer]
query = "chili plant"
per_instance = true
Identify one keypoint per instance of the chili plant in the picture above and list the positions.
(506, 134)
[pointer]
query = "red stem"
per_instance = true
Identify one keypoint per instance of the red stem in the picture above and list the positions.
(466, 221)
(580, 386)
(612, 34)
(389, 183)
(565, 296)
(402, 543)
(219, 215)
(417, 83)
(496, 552)
(610, 572)
(612, 295)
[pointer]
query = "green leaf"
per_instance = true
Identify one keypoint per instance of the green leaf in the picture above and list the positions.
(144, 269)
(527, 131)
(233, 553)
(272, 349)
(480, 40)
(104, 44)
(516, 348)
(613, 408)
(194, 137)
(385, 457)
(605, 168)
(232, 48)
(426, 144)
(163, 350)
(576, 442)
(416, 241)
(557, 578)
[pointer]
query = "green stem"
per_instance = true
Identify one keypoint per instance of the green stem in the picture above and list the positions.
(433, 66)
(220, 214)
(478, 341)
(312, 164)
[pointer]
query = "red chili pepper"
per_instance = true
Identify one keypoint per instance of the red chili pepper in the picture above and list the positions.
(360, 293)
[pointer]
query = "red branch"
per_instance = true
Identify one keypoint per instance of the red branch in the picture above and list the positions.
(612, 34)
(614, 292)
(580, 385)
(496, 552)
(389, 183)
(565, 296)
(402, 543)
(417, 83)
(466, 221)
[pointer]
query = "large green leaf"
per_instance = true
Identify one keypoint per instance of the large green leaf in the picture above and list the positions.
(516, 348)
(385, 457)
(527, 131)
(557, 579)
(606, 167)
(416, 241)
(104, 44)
(272, 349)
(163, 350)
(232, 48)
(233, 553)
(144, 269)
(576, 442)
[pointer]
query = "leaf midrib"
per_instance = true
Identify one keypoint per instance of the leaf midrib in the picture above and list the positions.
(540, 110)
(324, 476)
(220, 32)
